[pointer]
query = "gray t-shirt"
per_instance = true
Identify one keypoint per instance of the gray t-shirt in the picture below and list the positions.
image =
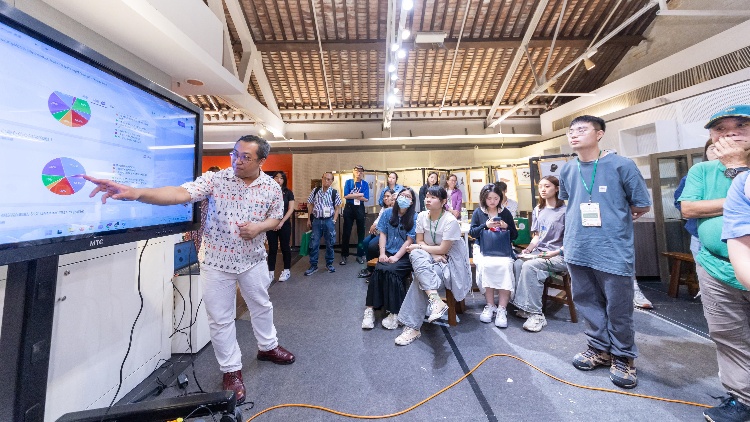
(549, 223)
(618, 186)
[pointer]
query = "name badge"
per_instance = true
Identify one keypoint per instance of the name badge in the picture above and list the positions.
(602, 189)
(590, 215)
(356, 202)
(327, 212)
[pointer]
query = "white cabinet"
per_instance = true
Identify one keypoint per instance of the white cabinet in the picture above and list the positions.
(97, 303)
(651, 138)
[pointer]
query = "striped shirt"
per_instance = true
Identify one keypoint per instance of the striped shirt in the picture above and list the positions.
(323, 198)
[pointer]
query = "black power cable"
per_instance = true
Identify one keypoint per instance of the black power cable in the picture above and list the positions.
(132, 329)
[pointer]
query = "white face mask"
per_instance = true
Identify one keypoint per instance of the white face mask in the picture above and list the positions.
(403, 202)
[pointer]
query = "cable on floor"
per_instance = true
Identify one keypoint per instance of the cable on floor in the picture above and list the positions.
(585, 387)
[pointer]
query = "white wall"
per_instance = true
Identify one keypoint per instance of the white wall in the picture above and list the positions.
(40, 10)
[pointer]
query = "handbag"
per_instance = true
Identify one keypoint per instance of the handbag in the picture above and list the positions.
(304, 245)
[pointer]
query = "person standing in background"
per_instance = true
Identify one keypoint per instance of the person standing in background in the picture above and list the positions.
(282, 233)
(508, 203)
(323, 206)
(356, 193)
(392, 185)
(455, 197)
(432, 180)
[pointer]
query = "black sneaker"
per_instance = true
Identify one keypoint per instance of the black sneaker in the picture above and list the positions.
(360, 259)
(730, 410)
(343, 260)
(365, 273)
(331, 268)
(311, 270)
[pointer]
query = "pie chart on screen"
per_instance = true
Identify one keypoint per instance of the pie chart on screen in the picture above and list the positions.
(69, 110)
(62, 176)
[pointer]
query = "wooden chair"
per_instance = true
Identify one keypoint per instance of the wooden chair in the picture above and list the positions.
(690, 279)
(454, 307)
(564, 296)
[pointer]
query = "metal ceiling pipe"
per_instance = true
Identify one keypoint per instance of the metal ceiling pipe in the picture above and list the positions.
(601, 28)
(455, 54)
(322, 61)
(511, 71)
(540, 89)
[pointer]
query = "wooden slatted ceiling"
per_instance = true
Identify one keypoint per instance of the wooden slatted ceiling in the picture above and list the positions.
(285, 33)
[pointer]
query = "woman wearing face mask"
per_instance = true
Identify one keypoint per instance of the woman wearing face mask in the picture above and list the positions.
(455, 197)
(386, 289)
(432, 180)
(548, 226)
(371, 241)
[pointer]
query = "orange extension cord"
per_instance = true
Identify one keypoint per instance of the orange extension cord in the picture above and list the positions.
(606, 390)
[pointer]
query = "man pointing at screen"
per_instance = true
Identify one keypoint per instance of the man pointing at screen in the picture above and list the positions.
(243, 204)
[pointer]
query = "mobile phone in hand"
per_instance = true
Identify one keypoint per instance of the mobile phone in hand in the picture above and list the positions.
(497, 219)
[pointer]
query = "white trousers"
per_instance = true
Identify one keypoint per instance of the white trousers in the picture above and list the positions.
(220, 296)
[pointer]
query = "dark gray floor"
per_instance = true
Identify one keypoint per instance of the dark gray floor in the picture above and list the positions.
(362, 372)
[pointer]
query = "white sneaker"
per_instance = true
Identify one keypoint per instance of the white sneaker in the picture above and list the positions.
(640, 301)
(270, 275)
(438, 309)
(407, 336)
(390, 322)
(285, 275)
(368, 322)
(501, 318)
(488, 313)
(522, 314)
(535, 323)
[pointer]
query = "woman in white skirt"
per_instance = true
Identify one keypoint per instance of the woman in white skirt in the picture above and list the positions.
(493, 228)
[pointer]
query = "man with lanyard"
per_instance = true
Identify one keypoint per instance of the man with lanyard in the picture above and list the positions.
(243, 204)
(323, 206)
(356, 193)
(605, 193)
(726, 303)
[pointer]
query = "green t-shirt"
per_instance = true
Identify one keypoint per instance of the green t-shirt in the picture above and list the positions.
(706, 181)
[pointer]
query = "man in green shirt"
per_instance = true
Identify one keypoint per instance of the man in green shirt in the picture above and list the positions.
(726, 303)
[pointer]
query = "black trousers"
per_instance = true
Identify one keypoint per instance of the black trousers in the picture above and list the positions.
(353, 213)
(283, 236)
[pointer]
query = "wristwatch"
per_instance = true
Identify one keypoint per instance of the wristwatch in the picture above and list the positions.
(734, 171)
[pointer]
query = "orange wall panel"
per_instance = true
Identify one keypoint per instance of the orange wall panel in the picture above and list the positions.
(274, 162)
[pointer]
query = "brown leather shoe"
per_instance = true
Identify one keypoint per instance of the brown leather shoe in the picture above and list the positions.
(233, 382)
(278, 355)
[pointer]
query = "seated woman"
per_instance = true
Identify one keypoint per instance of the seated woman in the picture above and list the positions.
(438, 257)
(493, 227)
(386, 289)
(548, 226)
(371, 241)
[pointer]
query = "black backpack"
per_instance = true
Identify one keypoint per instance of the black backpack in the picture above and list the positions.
(333, 195)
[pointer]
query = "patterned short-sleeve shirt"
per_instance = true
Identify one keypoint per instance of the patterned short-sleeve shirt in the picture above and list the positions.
(231, 201)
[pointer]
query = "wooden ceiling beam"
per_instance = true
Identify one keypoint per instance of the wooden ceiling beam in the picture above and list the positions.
(497, 43)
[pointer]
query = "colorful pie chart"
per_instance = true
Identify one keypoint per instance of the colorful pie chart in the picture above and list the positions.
(62, 176)
(69, 110)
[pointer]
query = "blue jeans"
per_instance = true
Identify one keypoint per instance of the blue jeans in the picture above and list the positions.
(322, 228)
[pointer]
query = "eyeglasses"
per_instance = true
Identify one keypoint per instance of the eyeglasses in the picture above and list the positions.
(246, 158)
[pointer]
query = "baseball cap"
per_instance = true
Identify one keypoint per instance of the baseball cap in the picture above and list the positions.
(359, 167)
(740, 110)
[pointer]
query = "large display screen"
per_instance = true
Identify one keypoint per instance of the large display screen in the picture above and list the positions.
(64, 115)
